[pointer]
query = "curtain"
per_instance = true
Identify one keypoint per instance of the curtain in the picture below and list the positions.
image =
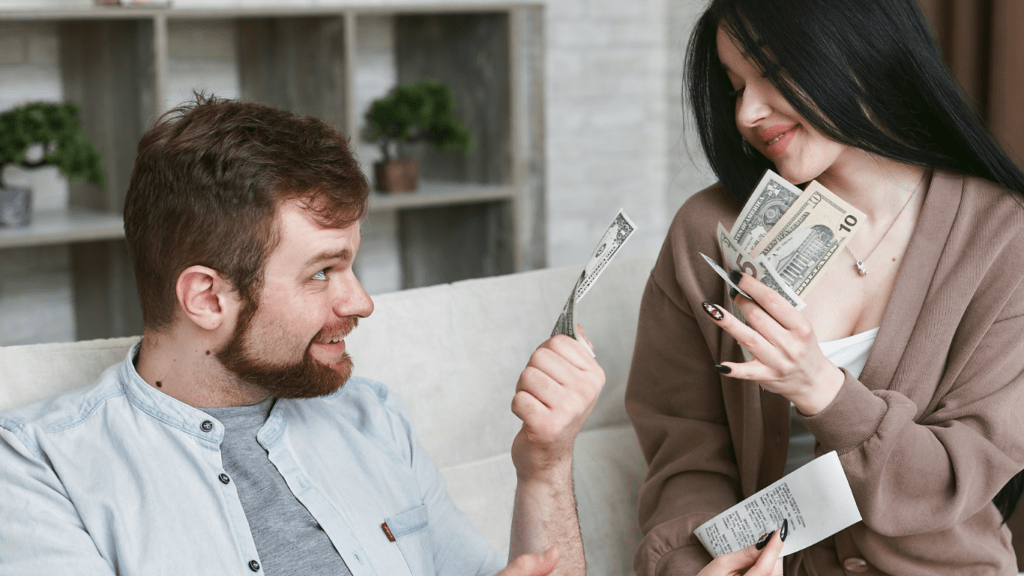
(982, 42)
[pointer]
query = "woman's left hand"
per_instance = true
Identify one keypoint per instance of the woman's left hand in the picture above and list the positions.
(787, 358)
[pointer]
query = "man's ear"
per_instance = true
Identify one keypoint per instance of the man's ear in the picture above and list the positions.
(205, 297)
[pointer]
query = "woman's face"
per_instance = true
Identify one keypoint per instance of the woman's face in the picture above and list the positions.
(767, 121)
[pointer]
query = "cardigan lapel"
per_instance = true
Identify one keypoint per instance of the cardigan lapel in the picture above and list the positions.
(931, 232)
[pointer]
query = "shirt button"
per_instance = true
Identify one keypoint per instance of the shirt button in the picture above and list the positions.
(206, 425)
(855, 565)
(224, 480)
(254, 566)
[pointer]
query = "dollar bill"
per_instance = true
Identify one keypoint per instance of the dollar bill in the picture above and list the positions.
(735, 257)
(724, 275)
(770, 199)
(770, 277)
(566, 323)
(620, 230)
(811, 234)
(759, 267)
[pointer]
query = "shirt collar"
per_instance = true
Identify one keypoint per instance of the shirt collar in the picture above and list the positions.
(166, 409)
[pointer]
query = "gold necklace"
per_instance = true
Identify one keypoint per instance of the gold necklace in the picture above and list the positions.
(861, 269)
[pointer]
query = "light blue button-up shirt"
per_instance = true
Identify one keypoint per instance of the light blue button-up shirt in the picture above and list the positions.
(119, 478)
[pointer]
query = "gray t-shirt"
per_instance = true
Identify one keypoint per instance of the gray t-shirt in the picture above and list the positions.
(288, 539)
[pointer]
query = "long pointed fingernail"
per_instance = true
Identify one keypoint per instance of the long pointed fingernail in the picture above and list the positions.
(723, 369)
(785, 530)
(713, 311)
(735, 276)
(764, 540)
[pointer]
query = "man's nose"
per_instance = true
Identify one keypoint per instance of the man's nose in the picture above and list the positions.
(352, 299)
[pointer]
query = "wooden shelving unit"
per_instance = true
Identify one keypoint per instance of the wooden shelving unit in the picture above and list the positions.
(485, 218)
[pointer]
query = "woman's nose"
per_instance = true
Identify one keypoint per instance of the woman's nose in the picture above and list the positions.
(752, 108)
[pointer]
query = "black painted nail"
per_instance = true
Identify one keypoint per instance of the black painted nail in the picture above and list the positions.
(764, 540)
(732, 293)
(785, 529)
(712, 311)
(723, 369)
(735, 276)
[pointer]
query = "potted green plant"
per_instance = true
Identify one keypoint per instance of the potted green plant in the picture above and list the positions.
(41, 134)
(412, 112)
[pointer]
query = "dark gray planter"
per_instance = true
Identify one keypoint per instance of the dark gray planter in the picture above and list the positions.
(15, 206)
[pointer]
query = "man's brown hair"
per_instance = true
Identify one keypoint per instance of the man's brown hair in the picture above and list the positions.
(205, 189)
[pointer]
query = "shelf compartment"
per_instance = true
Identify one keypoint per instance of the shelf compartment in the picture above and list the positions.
(296, 64)
(469, 53)
(450, 243)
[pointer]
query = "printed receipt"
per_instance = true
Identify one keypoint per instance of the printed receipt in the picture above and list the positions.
(816, 498)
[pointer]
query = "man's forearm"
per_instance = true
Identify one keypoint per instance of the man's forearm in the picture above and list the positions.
(544, 515)
(554, 396)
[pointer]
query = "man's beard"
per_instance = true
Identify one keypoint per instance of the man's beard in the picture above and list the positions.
(307, 378)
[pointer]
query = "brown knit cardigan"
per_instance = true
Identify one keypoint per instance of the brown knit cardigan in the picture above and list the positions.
(927, 435)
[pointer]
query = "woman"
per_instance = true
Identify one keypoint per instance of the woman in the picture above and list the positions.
(913, 373)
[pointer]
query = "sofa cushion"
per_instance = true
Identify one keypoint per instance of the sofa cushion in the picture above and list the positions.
(608, 470)
(454, 352)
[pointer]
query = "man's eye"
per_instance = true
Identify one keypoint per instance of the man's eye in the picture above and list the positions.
(321, 275)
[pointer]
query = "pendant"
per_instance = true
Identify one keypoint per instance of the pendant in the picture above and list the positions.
(861, 269)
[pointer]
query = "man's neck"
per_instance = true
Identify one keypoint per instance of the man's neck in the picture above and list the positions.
(186, 368)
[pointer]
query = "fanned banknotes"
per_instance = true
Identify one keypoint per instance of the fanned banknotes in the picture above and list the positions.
(621, 228)
(787, 238)
(809, 236)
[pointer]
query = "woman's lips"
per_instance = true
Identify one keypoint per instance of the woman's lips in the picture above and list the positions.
(777, 138)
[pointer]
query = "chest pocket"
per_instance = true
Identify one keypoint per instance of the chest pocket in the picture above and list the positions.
(410, 531)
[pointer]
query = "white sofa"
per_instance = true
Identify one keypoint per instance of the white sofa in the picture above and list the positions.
(453, 353)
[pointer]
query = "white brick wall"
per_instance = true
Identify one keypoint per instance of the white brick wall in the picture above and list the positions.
(605, 123)
(36, 296)
(688, 171)
(378, 265)
(29, 71)
(201, 56)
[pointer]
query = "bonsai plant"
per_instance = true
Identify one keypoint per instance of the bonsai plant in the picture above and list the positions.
(414, 111)
(40, 134)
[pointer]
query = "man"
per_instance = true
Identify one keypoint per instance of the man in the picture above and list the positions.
(232, 439)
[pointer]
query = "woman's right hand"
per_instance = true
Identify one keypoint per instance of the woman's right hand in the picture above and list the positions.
(749, 561)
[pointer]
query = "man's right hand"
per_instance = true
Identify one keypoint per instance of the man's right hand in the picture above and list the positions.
(555, 394)
(539, 564)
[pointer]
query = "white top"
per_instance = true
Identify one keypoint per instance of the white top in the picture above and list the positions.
(851, 354)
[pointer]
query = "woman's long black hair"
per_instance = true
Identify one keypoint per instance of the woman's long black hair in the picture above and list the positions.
(865, 73)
